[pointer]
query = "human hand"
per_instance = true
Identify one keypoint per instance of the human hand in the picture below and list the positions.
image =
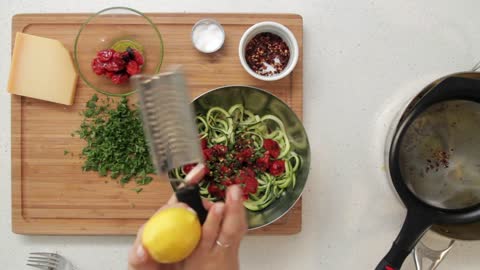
(218, 248)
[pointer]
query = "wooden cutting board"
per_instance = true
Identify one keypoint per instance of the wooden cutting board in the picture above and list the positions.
(51, 194)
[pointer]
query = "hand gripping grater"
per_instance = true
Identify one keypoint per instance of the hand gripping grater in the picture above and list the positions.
(170, 129)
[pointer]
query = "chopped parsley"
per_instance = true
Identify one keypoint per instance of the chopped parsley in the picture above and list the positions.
(115, 142)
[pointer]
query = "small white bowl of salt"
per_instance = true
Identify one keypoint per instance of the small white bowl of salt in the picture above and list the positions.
(208, 35)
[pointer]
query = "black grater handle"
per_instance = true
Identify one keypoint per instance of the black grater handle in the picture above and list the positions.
(190, 195)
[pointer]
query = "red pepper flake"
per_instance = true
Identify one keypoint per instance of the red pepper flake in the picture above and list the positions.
(267, 54)
(439, 159)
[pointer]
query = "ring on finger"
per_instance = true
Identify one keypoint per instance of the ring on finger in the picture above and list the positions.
(222, 244)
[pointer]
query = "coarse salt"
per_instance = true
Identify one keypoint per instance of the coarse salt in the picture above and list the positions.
(208, 37)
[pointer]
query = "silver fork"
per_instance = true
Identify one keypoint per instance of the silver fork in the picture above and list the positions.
(48, 261)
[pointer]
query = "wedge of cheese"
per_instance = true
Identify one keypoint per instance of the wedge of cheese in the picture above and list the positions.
(42, 68)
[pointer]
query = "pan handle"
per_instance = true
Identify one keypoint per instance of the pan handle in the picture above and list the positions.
(414, 227)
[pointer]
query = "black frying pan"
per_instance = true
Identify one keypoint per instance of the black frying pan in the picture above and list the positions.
(435, 163)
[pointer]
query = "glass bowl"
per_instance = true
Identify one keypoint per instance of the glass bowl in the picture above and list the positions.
(104, 30)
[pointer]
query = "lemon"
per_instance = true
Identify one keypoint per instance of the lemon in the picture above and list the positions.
(123, 44)
(171, 235)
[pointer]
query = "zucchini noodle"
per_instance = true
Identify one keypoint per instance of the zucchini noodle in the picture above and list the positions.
(225, 127)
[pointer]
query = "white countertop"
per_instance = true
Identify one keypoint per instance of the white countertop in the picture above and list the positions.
(360, 58)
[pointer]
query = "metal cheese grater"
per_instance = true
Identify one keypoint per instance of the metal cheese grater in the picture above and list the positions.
(169, 125)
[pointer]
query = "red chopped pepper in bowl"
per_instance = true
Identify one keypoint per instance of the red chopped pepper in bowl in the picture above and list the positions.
(268, 51)
(100, 50)
(118, 66)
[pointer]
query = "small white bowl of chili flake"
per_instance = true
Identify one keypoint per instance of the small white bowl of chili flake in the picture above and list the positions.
(268, 51)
